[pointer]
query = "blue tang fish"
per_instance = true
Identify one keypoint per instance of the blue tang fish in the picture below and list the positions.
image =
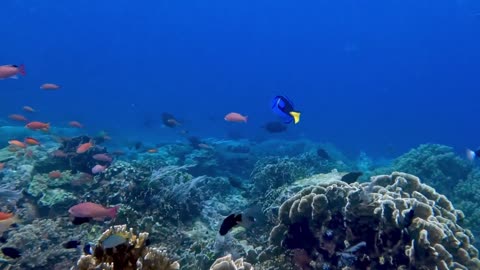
(283, 107)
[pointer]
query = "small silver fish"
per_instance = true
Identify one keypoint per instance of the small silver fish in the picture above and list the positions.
(113, 241)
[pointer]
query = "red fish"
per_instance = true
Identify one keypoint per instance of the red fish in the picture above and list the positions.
(75, 124)
(17, 143)
(35, 125)
(31, 141)
(11, 71)
(235, 117)
(17, 117)
(84, 147)
(93, 210)
(102, 157)
(54, 174)
(59, 154)
(49, 86)
(4, 215)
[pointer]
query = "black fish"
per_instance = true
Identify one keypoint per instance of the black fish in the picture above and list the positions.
(11, 252)
(230, 222)
(408, 219)
(351, 177)
(80, 220)
(72, 244)
(194, 141)
(88, 249)
(275, 127)
(321, 153)
(138, 145)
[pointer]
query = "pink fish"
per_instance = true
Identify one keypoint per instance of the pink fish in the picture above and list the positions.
(235, 117)
(93, 210)
(102, 157)
(11, 71)
(98, 169)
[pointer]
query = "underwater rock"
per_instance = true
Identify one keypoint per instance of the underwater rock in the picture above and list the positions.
(6, 155)
(66, 157)
(392, 222)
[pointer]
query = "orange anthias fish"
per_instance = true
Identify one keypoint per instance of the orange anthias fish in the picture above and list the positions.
(17, 143)
(153, 150)
(28, 109)
(235, 117)
(35, 125)
(49, 86)
(11, 71)
(2, 165)
(4, 215)
(7, 223)
(54, 174)
(18, 117)
(84, 147)
(31, 141)
(75, 124)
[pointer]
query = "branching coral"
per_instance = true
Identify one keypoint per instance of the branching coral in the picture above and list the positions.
(393, 222)
(131, 255)
(227, 263)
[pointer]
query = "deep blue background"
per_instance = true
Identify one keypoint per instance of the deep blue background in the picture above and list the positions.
(367, 75)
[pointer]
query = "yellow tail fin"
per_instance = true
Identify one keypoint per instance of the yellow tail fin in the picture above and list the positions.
(296, 117)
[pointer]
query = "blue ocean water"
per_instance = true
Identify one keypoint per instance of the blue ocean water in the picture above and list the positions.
(366, 75)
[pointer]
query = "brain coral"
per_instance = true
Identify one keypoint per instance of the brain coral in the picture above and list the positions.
(392, 222)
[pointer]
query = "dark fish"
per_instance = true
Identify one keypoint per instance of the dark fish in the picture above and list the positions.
(88, 249)
(138, 145)
(283, 107)
(321, 153)
(275, 127)
(72, 244)
(408, 219)
(351, 177)
(80, 220)
(471, 155)
(169, 120)
(11, 252)
(194, 141)
(230, 222)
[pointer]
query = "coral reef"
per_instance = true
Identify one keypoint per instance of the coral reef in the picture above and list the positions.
(66, 157)
(392, 222)
(434, 164)
(227, 263)
(43, 236)
(133, 254)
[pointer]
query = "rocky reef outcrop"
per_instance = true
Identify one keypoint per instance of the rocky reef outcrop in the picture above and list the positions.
(392, 222)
